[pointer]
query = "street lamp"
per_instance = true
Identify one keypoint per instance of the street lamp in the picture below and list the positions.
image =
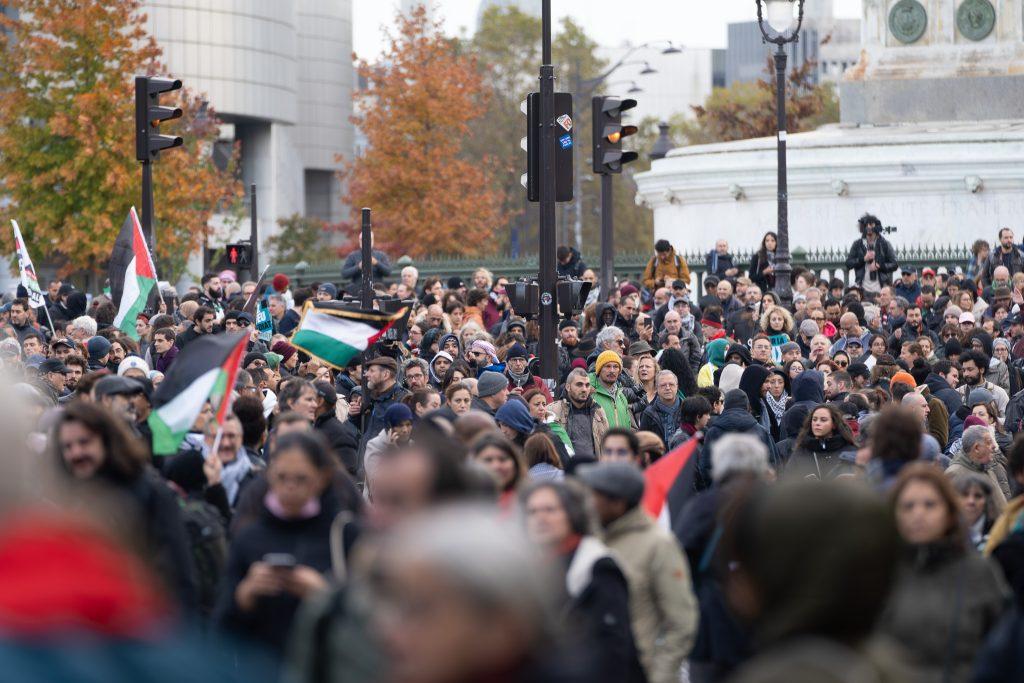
(782, 28)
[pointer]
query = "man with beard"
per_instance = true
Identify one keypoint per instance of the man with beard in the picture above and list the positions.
(568, 345)
(202, 323)
(517, 369)
(482, 357)
(76, 367)
(583, 420)
(383, 392)
(21, 320)
(910, 330)
(212, 294)
(973, 365)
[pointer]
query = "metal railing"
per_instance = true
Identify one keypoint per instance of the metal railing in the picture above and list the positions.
(827, 262)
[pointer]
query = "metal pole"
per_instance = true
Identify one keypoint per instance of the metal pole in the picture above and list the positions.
(254, 235)
(577, 180)
(607, 237)
(783, 286)
(548, 275)
(147, 208)
(366, 290)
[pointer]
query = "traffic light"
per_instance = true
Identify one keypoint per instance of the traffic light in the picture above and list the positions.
(524, 298)
(238, 255)
(564, 140)
(149, 114)
(608, 134)
(572, 296)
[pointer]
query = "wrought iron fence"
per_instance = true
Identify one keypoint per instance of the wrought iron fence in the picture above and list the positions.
(830, 262)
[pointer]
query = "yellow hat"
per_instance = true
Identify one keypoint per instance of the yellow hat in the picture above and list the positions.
(606, 357)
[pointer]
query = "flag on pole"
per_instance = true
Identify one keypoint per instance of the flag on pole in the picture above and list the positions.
(29, 281)
(336, 335)
(131, 273)
(669, 484)
(204, 370)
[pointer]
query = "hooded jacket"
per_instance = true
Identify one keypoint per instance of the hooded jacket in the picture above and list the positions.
(808, 392)
(731, 421)
(716, 359)
(824, 459)
(575, 266)
(751, 381)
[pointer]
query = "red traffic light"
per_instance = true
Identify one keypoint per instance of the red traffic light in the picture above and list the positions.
(233, 255)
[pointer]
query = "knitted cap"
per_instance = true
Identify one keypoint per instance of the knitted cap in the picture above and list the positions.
(605, 358)
(903, 378)
(490, 383)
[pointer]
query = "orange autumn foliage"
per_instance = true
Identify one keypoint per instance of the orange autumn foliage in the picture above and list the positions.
(423, 101)
(67, 145)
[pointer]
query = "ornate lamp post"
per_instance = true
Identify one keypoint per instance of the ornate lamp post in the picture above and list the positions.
(781, 28)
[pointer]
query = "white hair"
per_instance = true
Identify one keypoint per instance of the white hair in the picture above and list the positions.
(973, 435)
(608, 334)
(736, 454)
(412, 270)
(85, 324)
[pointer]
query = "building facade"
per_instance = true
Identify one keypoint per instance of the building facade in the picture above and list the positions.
(279, 74)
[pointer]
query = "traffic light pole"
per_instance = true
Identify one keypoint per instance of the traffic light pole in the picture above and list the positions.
(548, 276)
(254, 236)
(366, 290)
(147, 208)
(607, 237)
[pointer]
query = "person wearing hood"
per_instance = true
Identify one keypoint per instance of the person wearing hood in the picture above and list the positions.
(754, 383)
(517, 369)
(825, 448)
(735, 418)
(716, 359)
(437, 370)
(450, 342)
(808, 392)
(570, 262)
(729, 377)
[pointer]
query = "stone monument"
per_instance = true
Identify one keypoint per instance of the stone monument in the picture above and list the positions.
(931, 140)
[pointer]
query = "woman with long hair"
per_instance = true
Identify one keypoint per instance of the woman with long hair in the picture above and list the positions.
(947, 598)
(979, 506)
(542, 458)
(825, 448)
(762, 265)
(878, 346)
(979, 259)
(646, 371)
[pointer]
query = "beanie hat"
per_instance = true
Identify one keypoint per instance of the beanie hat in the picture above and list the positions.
(98, 347)
(516, 415)
(605, 358)
(808, 328)
(903, 377)
(568, 322)
(712, 319)
(396, 414)
(979, 396)
(517, 350)
(283, 348)
(578, 363)
(280, 282)
(132, 363)
(974, 421)
(736, 398)
(273, 360)
(789, 346)
(442, 354)
(252, 356)
(490, 383)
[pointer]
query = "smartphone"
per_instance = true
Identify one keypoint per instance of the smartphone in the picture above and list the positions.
(280, 560)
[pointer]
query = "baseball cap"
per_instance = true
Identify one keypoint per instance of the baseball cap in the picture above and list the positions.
(328, 288)
(927, 271)
(967, 317)
(52, 365)
(112, 385)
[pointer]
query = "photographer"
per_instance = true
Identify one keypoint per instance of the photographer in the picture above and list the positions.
(872, 257)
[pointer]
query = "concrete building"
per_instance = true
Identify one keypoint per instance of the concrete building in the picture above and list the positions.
(279, 74)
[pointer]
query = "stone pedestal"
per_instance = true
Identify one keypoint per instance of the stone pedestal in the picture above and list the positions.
(937, 60)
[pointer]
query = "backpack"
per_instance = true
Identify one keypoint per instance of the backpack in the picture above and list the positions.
(208, 541)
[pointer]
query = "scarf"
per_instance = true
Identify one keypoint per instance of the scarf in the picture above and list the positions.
(667, 416)
(777, 405)
(310, 510)
(519, 380)
(232, 474)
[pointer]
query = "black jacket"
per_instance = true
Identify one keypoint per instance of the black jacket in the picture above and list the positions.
(823, 459)
(650, 420)
(941, 390)
(1014, 262)
(757, 265)
(352, 269)
(885, 256)
(717, 264)
(574, 267)
(343, 437)
(269, 623)
(731, 421)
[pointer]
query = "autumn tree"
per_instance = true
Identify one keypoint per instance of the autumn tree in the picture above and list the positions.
(747, 109)
(424, 99)
(67, 146)
(303, 238)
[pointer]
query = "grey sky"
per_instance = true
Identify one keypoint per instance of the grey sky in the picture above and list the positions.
(699, 23)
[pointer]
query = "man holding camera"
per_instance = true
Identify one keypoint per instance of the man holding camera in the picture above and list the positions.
(872, 257)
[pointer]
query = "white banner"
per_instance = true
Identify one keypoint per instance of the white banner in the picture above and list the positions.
(28, 272)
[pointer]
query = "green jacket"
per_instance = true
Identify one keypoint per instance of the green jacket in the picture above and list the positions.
(616, 408)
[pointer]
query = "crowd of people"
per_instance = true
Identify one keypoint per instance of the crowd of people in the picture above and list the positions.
(438, 512)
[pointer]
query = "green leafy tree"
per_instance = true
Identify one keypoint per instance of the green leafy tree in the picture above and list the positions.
(303, 238)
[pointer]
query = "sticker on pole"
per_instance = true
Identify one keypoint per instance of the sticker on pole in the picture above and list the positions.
(546, 299)
(565, 141)
(565, 121)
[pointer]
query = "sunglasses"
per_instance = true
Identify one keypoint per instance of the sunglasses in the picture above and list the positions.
(842, 363)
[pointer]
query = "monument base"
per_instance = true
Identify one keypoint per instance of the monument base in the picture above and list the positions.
(939, 183)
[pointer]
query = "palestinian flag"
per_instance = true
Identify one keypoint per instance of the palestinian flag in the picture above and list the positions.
(131, 273)
(669, 483)
(335, 334)
(204, 370)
